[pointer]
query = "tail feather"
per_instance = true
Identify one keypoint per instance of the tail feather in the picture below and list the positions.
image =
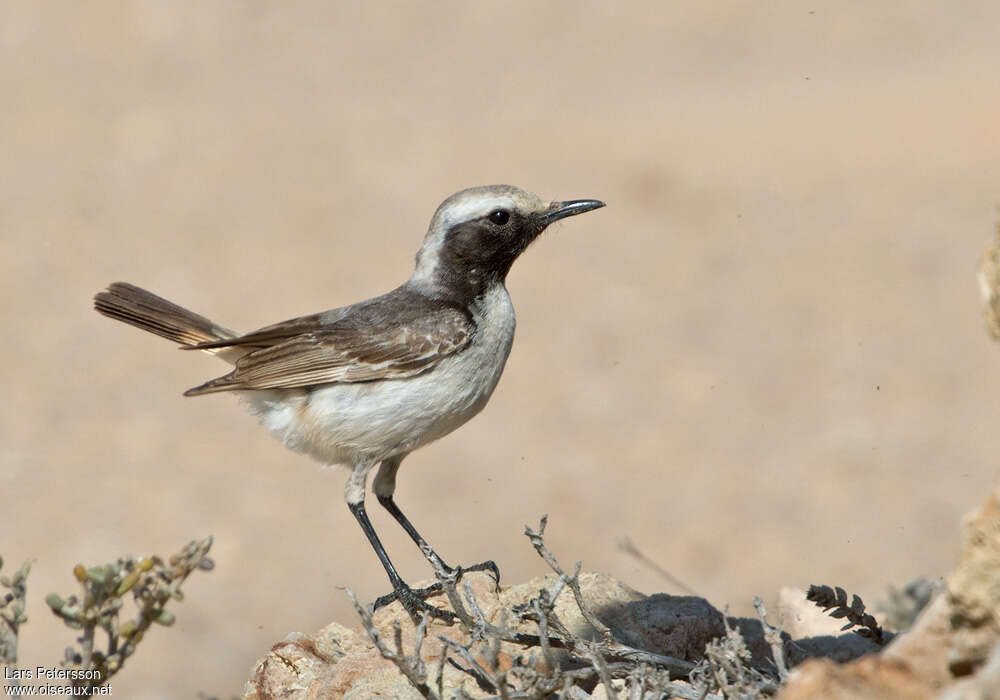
(137, 307)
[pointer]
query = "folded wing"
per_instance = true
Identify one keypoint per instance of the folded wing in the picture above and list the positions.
(357, 345)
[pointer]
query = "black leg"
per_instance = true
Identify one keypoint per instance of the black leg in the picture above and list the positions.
(409, 598)
(390, 505)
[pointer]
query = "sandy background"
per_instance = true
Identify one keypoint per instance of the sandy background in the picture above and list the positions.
(763, 361)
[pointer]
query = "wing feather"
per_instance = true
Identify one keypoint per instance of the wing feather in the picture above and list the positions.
(349, 351)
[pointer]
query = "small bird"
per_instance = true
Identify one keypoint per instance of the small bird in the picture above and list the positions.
(367, 384)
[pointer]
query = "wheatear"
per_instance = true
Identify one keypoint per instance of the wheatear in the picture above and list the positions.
(369, 383)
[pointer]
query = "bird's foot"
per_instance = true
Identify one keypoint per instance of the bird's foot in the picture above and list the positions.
(414, 602)
(488, 566)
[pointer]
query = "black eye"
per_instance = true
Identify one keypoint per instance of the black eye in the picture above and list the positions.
(499, 217)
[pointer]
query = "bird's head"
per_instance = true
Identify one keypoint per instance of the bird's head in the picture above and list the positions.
(476, 234)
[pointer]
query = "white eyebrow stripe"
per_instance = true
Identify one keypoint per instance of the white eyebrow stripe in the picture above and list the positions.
(473, 207)
(455, 212)
(467, 205)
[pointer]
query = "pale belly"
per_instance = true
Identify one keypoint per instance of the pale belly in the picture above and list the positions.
(355, 423)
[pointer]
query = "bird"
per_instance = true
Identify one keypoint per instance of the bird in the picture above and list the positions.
(365, 385)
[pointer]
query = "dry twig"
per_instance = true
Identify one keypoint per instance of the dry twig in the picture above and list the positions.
(573, 581)
(411, 666)
(772, 635)
(726, 669)
(478, 649)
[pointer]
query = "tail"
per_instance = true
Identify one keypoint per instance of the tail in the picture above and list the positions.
(137, 307)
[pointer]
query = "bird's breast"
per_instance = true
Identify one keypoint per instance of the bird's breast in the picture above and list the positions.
(464, 382)
(341, 423)
(487, 354)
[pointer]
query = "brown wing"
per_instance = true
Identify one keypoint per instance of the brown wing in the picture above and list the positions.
(349, 351)
(273, 334)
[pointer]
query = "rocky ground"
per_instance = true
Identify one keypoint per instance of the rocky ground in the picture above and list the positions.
(617, 642)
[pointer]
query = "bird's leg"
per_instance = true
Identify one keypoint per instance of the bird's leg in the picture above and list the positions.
(433, 557)
(384, 486)
(411, 600)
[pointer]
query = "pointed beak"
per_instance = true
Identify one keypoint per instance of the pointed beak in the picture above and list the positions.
(560, 210)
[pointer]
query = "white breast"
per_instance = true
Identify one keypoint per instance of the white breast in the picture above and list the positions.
(347, 423)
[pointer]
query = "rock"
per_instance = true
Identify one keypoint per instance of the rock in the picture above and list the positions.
(601, 693)
(951, 639)
(678, 626)
(337, 662)
(800, 617)
(974, 590)
(869, 678)
(984, 685)
(925, 645)
(951, 651)
(842, 648)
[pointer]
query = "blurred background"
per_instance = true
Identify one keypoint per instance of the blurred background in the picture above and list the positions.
(763, 362)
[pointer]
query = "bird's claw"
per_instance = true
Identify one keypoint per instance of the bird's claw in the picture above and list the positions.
(488, 566)
(413, 601)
